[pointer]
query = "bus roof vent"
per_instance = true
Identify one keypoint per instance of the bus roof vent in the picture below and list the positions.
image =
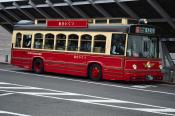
(25, 22)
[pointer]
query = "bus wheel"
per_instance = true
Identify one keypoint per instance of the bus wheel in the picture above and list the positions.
(95, 72)
(38, 66)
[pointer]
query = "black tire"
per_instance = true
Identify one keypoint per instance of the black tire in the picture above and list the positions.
(38, 66)
(95, 72)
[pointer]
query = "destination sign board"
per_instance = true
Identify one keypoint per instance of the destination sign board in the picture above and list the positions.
(142, 29)
(146, 30)
(67, 23)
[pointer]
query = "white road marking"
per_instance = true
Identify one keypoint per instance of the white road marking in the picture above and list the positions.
(44, 93)
(89, 82)
(114, 106)
(156, 110)
(143, 86)
(97, 101)
(18, 88)
(3, 83)
(5, 94)
(12, 113)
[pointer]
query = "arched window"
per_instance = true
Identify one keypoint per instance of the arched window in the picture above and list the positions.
(99, 44)
(60, 42)
(38, 41)
(18, 40)
(73, 42)
(27, 41)
(49, 41)
(86, 41)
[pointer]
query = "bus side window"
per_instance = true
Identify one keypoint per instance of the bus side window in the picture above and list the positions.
(86, 41)
(49, 41)
(18, 40)
(60, 42)
(27, 40)
(118, 44)
(73, 42)
(38, 41)
(99, 44)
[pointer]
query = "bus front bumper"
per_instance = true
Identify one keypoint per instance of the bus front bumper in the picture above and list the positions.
(144, 76)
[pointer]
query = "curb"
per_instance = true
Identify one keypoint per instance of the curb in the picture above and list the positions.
(167, 82)
(5, 63)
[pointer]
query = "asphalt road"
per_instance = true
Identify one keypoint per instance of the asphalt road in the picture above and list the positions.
(23, 93)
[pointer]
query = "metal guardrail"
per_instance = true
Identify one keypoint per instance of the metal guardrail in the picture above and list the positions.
(169, 74)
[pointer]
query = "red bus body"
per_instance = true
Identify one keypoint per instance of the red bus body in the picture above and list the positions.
(114, 67)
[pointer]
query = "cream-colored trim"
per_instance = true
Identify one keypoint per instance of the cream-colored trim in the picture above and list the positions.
(66, 42)
(126, 45)
(79, 41)
(22, 40)
(93, 20)
(92, 44)
(32, 43)
(54, 44)
(108, 43)
(108, 36)
(44, 36)
(14, 38)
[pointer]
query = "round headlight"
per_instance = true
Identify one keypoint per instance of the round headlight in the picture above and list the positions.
(160, 66)
(134, 66)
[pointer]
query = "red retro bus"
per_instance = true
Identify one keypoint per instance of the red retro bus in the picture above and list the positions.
(111, 49)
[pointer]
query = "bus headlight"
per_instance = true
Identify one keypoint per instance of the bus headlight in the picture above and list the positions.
(161, 67)
(134, 66)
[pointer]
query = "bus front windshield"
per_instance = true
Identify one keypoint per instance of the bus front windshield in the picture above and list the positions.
(142, 46)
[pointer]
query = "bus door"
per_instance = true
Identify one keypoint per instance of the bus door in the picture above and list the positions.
(117, 51)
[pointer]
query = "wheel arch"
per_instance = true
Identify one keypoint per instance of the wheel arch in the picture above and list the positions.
(95, 62)
(37, 57)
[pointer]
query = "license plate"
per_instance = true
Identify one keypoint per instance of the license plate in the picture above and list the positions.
(149, 77)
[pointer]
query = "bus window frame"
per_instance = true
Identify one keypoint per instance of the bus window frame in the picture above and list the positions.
(105, 48)
(107, 35)
(152, 35)
(70, 40)
(45, 45)
(43, 35)
(83, 40)
(65, 46)
(126, 42)
(23, 40)
(15, 38)
(22, 34)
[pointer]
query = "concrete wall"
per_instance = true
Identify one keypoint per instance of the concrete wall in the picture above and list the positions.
(5, 45)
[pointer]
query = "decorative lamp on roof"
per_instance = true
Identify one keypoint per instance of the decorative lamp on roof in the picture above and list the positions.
(143, 21)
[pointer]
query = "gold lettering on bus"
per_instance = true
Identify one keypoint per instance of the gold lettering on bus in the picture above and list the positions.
(34, 53)
(79, 57)
(66, 23)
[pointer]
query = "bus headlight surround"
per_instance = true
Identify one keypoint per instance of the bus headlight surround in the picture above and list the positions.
(134, 66)
(161, 67)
